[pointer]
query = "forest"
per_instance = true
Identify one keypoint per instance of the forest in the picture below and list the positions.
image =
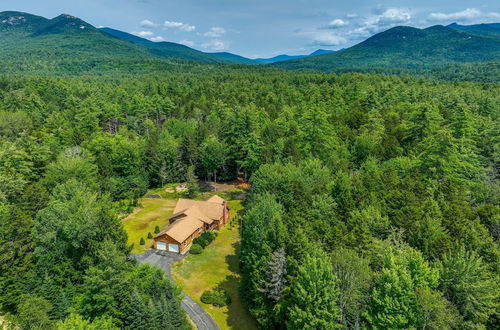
(374, 199)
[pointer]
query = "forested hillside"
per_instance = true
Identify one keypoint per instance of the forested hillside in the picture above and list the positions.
(373, 201)
(408, 49)
(66, 45)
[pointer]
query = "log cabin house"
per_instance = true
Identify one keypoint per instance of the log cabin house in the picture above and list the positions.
(189, 220)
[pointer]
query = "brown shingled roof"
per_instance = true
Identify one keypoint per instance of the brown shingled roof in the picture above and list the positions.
(181, 229)
(211, 210)
(192, 215)
(216, 199)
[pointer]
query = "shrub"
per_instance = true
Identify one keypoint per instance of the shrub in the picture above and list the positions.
(196, 249)
(157, 229)
(150, 235)
(218, 298)
(211, 235)
(142, 241)
(201, 241)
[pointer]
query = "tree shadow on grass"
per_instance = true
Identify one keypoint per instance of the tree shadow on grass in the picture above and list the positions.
(233, 260)
(237, 315)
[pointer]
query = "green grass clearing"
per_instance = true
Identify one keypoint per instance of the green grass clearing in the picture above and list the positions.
(217, 267)
(152, 212)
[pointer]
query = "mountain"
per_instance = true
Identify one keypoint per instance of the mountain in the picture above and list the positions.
(69, 45)
(165, 49)
(279, 58)
(321, 52)
(407, 48)
(233, 58)
(486, 28)
(18, 22)
(65, 24)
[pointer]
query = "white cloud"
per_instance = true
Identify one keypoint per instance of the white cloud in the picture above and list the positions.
(466, 15)
(171, 24)
(143, 34)
(326, 38)
(216, 44)
(394, 16)
(157, 39)
(351, 15)
(215, 32)
(148, 23)
(383, 20)
(179, 25)
(336, 23)
(188, 43)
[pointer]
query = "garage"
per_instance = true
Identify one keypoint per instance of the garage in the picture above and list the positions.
(173, 248)
(161, 245)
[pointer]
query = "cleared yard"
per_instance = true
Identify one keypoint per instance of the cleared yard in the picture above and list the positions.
(217, 267)
(152, 212)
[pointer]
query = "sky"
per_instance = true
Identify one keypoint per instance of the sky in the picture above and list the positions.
(262, 28)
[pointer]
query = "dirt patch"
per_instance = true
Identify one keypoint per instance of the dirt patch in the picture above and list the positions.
(222, 186)
(153, 196)
(180, 188)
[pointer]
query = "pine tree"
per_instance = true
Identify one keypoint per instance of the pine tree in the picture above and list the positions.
(275, 282)
(466, 281)
(312, 302)
(192, 182)
(139, 314)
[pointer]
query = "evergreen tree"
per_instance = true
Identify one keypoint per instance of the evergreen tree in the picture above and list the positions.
(466, 281)
(140, 314)
(312, 301)
(275, 281)
(192, 182)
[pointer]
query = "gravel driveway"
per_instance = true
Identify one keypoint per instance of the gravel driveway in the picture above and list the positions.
(163, 260)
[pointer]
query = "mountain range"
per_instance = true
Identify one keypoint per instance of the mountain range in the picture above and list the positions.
(233, 58)
(411, 48)
(69, 45)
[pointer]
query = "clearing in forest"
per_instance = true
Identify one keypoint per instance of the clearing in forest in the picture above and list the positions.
(152, 212)
(217, 267)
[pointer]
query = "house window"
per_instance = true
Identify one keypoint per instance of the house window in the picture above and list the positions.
(199, 229)
(184, 243)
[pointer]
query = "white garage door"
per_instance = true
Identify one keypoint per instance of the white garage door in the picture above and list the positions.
(173, 248)
(161, 245)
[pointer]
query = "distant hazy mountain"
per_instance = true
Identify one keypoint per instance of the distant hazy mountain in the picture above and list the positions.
(406, 48)
(233, 58)
(487, 28)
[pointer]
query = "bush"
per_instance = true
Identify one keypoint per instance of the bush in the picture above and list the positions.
(218, 298)
(157, 229)
(205, 238)
(149, 235)
(196, 249)
(201, 241)
(142, 241)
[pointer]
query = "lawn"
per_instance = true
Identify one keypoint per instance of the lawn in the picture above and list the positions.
(217, 267)
(152, 212)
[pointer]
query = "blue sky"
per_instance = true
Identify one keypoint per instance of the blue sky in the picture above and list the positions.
(262, 28)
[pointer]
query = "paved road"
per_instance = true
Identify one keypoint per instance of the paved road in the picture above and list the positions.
(163, 259)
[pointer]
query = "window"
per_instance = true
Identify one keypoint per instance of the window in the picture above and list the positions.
(184, 243)
(199, 229)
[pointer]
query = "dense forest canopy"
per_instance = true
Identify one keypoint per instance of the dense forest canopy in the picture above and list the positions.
(373, 200)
